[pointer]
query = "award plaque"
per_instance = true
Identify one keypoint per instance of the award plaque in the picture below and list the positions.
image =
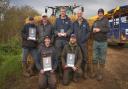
(126, 31)
(62, 32)
(32, 34)
(70, 59)
(47, 65)
(95, 25)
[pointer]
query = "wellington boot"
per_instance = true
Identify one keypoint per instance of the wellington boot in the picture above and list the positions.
(100, 72)
(94, 70)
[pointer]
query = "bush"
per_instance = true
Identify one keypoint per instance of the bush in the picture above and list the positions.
(10, 48)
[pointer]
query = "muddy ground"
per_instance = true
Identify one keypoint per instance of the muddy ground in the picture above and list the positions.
(115, 75)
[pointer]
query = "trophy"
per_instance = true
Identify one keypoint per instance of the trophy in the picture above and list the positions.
(126, 31)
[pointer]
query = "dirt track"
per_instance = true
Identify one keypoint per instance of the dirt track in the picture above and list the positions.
(116, 75)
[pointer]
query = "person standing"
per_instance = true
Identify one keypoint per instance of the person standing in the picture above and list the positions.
(62, 32)
(45, 28)
(100, 30)
(47, 65)
(82, 30)
(71, 61)
(29, 36)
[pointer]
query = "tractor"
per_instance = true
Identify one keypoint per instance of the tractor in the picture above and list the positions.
(70, 11)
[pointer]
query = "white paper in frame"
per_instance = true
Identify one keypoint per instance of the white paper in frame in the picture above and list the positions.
(126, 31)
(32, 34)
(47, 65)
(70, 59)
(62, 30)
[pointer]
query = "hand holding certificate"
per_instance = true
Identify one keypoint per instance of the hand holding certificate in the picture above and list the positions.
(74, 68)
(42, 71)
(62, 33)
(96, 30)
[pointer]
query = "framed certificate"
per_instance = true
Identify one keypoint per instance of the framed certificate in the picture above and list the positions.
(32, 34)
(70, 59)
(126, 31)
(47, 65)
(95, 25)
(62, 32)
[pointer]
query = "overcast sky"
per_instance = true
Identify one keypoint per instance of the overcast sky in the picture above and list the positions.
(90, 6)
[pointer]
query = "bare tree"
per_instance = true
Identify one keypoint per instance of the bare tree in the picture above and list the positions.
(4, 4)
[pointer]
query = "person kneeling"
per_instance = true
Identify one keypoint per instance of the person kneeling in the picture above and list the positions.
(71, 61)
(47, 65)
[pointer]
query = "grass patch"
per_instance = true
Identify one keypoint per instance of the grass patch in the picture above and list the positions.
(10, 63)
(10, 69)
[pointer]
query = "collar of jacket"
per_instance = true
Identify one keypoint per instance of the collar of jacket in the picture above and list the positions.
(43, 45)
(72, 45)
(41, 23)
(84, 20)
(45, 25)
(101, 18)
(66, 17)
(31, 24)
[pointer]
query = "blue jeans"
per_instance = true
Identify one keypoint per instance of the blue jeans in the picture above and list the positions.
(99, 52)
(34, 53)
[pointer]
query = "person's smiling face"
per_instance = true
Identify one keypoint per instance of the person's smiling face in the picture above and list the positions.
(72, 40)
(63, 12)
(47, 42)
(100, 15)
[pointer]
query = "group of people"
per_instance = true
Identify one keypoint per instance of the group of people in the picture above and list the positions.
(61, 50)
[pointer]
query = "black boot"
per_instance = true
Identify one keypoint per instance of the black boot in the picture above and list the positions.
(85, 75)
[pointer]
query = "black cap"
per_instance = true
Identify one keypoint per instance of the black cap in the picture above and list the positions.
(101, 10)
(31, 18)
(73, 35)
